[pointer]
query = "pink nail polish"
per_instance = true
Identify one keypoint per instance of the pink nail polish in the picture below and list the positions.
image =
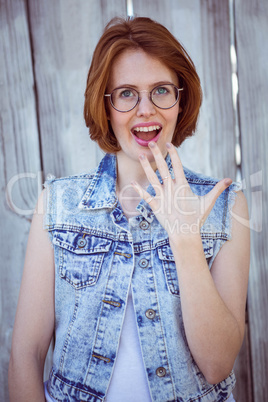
(228, 182)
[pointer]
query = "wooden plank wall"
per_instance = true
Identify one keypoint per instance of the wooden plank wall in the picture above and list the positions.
(251, 22)
(19, 163)
(45, 52)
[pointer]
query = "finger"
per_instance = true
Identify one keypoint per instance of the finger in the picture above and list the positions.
(167, 179)
(150, 174)
(214, 194)
(144, 194)
(176, 163)
(159, 159)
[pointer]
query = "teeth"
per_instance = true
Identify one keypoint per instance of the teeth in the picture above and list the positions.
(146, 129)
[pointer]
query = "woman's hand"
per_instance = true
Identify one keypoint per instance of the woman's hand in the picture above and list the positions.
(177, 208)
(212, 302)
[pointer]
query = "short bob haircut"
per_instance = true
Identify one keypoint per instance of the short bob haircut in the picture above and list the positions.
(155, 40)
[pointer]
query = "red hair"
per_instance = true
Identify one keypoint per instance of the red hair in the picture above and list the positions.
(155, 40)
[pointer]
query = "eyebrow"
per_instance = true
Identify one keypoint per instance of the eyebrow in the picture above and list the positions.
(155, 84)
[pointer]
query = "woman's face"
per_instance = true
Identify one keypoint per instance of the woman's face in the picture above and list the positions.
(146, 122)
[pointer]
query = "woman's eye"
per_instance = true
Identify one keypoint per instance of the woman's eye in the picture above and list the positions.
(161, 90)
(126, 93)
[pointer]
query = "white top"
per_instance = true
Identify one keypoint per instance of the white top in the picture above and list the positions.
(129, 382)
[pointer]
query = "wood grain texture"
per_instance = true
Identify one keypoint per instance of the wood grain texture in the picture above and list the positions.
(218, 86)
(20, 178)
(243, 391)
(64, 35)
(251, 33)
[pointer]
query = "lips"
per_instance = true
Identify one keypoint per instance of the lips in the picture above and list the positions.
(146, 132)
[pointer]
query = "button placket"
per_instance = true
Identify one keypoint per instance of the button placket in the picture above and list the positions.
(148, 312)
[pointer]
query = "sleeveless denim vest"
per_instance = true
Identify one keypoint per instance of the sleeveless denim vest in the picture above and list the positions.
(98, 255)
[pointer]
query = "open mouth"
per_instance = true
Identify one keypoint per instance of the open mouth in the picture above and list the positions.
(143, 135)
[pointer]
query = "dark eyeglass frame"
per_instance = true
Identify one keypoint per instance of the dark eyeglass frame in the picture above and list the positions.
(150, 97)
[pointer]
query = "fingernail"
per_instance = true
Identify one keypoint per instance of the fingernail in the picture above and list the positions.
(168, 145)
(142, 157)
(152, 144)
(228, 182)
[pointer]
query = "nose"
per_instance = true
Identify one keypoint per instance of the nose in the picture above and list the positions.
(145, 107)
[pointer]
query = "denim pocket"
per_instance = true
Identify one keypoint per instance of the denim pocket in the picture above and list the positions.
(166, 256)
(80, 257)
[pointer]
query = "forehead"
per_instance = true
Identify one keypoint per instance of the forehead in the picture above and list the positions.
(139, 69)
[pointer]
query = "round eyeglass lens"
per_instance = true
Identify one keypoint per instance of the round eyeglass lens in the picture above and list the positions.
(124, 99)
(165, 96)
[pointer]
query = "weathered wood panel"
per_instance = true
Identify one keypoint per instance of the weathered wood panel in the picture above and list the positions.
(217, 85)
(252, 49)
(19, 164)
(243, 389)
(64, 35)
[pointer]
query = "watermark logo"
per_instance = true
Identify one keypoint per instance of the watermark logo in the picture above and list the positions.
(255, 203)
(12, 186)
(183, 204)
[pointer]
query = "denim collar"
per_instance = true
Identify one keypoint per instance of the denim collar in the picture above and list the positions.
(101, 193)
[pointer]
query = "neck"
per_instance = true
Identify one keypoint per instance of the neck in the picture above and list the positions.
(128, 171)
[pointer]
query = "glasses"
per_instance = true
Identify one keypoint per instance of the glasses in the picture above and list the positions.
(163, 96)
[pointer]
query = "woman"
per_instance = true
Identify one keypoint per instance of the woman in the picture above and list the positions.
(148, 267)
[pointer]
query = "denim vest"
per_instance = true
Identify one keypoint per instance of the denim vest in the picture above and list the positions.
(98, 255)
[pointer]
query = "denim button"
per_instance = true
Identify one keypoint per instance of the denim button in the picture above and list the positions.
(143, 263)
(81, 242)
(150, 313)
(144, 225)
(161, 372)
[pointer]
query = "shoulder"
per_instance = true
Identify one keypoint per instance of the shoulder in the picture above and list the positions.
(71, 178)
(64, 194)
(239, 211)
(68, 185)
(202, 184)
(219, 222)
(199, 178)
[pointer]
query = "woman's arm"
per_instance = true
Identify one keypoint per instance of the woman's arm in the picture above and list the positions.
(34, 322)
(213, 303)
